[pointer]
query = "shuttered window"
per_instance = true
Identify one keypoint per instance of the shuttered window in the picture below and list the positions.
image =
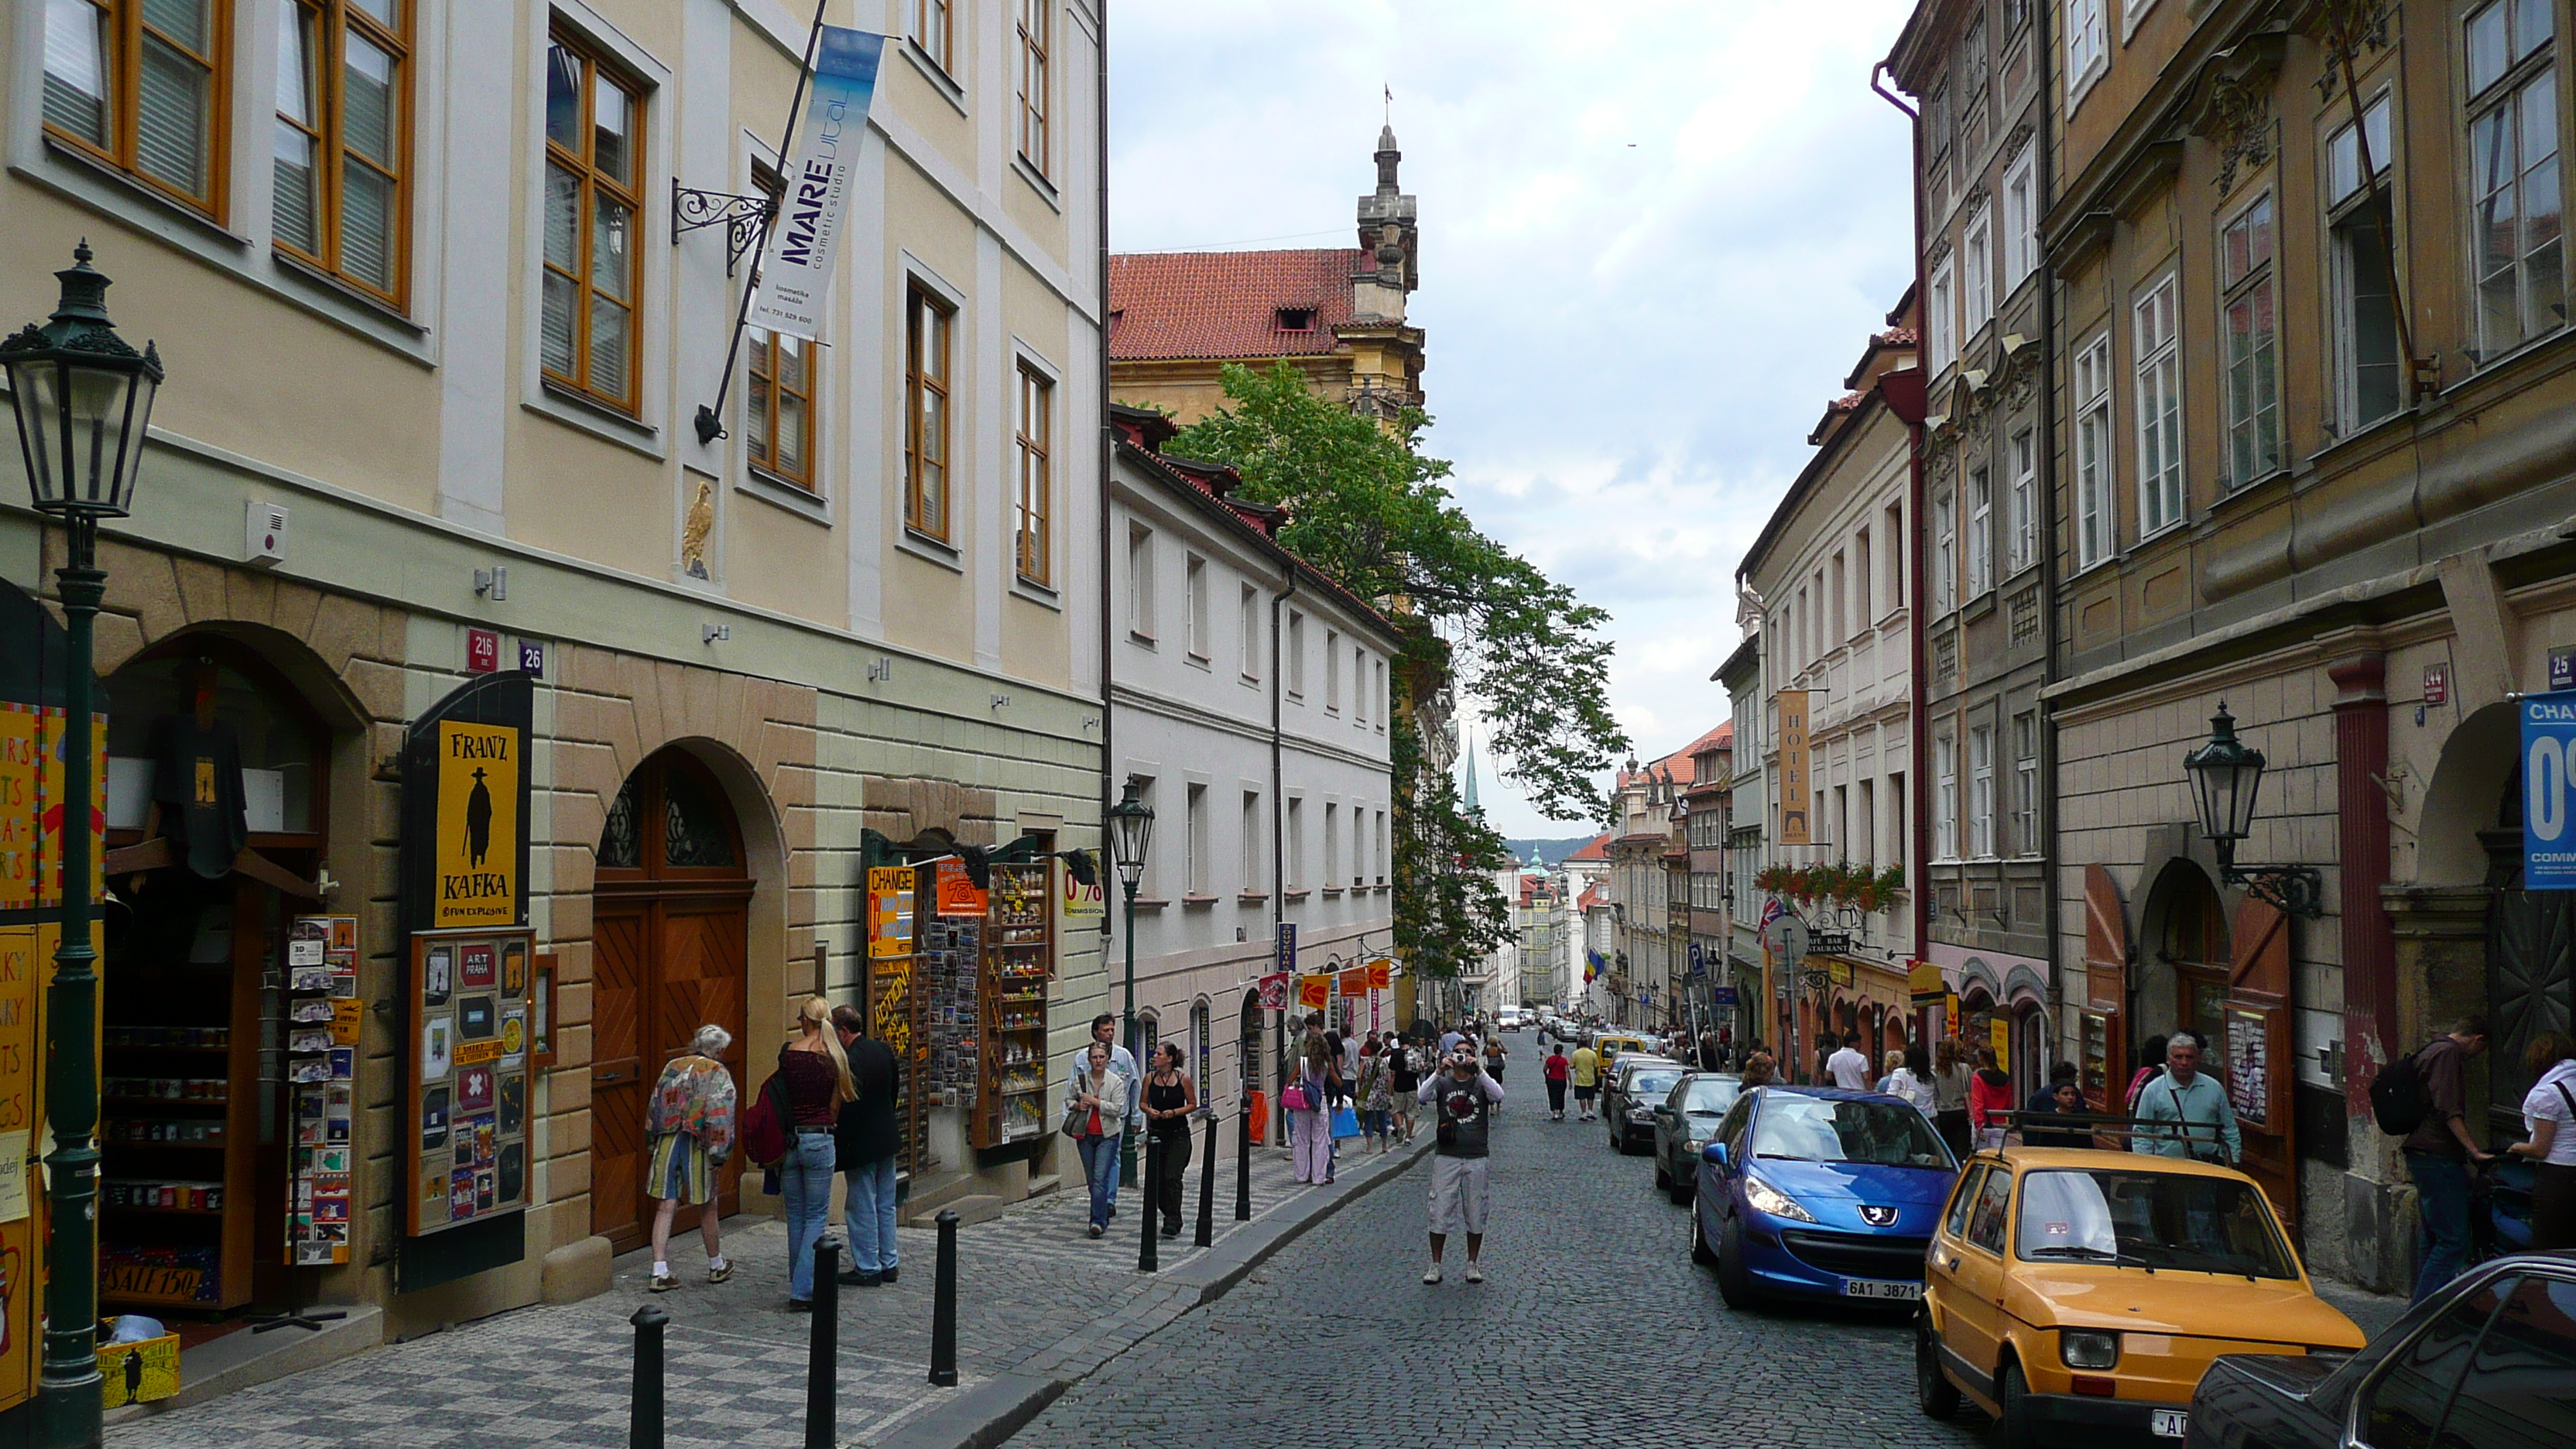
(588, 334)
(140, 85)
(342, 149)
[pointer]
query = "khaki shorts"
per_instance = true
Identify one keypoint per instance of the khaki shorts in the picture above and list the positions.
(1459, 1200)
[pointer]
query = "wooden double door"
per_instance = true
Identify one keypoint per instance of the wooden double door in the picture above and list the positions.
(670, 936)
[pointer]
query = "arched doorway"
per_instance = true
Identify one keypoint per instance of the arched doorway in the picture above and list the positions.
(1247, 1062)
(2183, 970)
(670, 937)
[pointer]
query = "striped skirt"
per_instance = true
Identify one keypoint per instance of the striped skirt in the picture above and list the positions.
(680, 1170)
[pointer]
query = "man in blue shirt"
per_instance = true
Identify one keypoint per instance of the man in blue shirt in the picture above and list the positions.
(2203, 1125)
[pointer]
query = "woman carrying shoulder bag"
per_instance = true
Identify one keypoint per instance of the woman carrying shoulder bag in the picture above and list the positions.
(1095, 1116)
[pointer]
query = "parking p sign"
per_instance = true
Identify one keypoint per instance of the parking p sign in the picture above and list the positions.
(2548, 830)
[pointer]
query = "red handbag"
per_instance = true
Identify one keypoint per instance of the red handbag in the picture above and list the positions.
(764, 1126)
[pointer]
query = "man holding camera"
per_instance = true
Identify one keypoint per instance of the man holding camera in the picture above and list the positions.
(1462, 1100)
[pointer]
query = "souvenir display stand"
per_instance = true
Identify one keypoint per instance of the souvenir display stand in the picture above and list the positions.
(1018, 959)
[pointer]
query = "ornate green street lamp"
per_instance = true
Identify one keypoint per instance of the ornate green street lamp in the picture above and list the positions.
(1131, 831)
(83, 399)
(2226, 775)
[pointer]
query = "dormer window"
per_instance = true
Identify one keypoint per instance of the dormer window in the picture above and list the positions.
(1296, 319)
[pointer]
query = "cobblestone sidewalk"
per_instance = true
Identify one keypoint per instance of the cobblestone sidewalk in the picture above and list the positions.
(1036, 1296)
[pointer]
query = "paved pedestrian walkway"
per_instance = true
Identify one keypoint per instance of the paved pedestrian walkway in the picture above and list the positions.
(1036, 1297)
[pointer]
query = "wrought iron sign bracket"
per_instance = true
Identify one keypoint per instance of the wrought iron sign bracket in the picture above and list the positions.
(740, 216)
(2296, 890)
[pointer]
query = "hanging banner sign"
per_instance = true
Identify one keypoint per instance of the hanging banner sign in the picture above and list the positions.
(1085, 901)
(2548, 750)
(1315, 992)
(465, 807)
(1381, 973)
(889, 911)
(795, 276)
(1355, 981)
(1793, 768)
(1274, 991)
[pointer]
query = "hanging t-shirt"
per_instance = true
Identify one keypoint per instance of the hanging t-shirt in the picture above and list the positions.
(197, 782)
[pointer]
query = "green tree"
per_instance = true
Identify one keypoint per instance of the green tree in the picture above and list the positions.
(1368, 509)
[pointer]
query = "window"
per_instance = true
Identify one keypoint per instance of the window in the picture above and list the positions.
(1841, 593)
(2363, 310)
(2021, 218)
(1359, 847)
(1940, 319)
(1296, 661)
(1196, 827)
(1963, 1200)
(1295, 864)
(1359, 687)
(2024, 516)
(2513, 167)
(1296, 319)
(2159, 380)
(1037, 424)
(1033, 82)
(1195, 598)
(140, 84)
(779, 407)
(1332, 671)
(925, 414)
(927, 24)
(1332, 845)
(587, 337)
(1253, 885)
(340, 147)
(1994, 1200)
(1945, 554)
(2404, 1408)
(2093, 452)
(1981, 531)
(1977, 282)
(1862, 581)
(1867, 838)
(2086, 47)
(2026, 782)
(1140, 582)
(1945, 797)
(1378, 695)
(1981, 791)
(1247, 652)
(2253, 349)
(1892, 528)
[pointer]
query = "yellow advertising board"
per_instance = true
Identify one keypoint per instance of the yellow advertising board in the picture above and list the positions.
(31, 805)
(477, 850)
(1084, 902)
(2000, 1029)
(26, 957)
(1795, 781)
(889, 911)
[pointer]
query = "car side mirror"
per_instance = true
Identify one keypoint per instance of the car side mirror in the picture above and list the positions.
(1663, 1109)
(1715, 1155)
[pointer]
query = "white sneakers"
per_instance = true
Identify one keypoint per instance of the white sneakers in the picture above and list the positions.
(1475, 1274)
(1432, 1276)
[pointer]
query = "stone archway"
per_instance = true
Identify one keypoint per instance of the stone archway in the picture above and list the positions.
(2183, 957)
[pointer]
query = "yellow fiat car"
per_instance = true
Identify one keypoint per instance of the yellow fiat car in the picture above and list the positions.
(2070, 1292)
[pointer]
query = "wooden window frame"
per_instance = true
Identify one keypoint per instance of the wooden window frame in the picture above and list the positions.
(2501, 100)
(918, 18)
(2155, 368)
(584, 170)
(2251, 291)
(1035, 77)
(124, 115)
(1034, 516)
(918, 384)
(760, 439)
(331, 20)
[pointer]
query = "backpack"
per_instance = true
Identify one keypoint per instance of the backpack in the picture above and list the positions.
(2399, 1097)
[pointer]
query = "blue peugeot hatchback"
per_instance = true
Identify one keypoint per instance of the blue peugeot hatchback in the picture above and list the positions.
(1819, 1192)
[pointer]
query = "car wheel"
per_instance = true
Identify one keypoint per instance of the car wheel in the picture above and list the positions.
(1734, 1284)
(1663, 1174)
(1933, 1391)
(2012, 1394)
(1699, 1243)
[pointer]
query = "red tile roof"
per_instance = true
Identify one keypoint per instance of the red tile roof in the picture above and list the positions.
(1678, 763)
(1597, 848)
(1226, 304)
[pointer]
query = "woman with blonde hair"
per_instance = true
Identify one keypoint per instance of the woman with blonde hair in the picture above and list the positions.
(814, 1076)
(689, 1121)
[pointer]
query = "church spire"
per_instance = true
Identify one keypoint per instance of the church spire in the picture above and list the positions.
(1472, 807)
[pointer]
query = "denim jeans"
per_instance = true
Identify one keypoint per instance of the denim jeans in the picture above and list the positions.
(1100, 1170)
(805, 1181)
(2441, 1220)
(868, 1216)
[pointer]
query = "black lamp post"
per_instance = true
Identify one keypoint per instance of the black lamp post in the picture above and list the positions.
(83, 399)
(1131, 831)
(2226, 775)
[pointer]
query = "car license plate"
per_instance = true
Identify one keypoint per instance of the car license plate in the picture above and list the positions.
(2169, 1423)
(1869, 1288)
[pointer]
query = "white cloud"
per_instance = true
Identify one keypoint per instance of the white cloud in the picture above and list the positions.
(1654, 237)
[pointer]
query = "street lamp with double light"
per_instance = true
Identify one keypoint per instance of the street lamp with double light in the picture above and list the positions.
(1131, 832)
(83, 400)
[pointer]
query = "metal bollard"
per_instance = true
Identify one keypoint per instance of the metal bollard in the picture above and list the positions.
(644, 1396)
(823, 1349)
(1243, 1164)
(1207, 1190)
(1148, 1248)
(943, 1310)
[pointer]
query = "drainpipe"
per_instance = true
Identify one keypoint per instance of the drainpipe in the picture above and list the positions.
(1108, 454)
(1919, 746)
(2044, 810)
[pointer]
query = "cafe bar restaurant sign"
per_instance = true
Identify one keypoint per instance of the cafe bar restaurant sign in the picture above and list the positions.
(465, 808)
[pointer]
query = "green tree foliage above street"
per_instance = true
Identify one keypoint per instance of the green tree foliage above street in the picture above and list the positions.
(1368, 509)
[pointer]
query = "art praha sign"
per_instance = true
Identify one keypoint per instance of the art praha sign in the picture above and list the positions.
(2548, 827)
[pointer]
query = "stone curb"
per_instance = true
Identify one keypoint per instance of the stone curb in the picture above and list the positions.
(980, 1418)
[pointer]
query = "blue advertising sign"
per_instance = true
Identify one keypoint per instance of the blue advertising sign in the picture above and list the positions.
(1284, 954)
(1724, 995)
(2548, 749)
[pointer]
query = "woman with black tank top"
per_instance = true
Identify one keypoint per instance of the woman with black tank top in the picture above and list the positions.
(1170, 1098)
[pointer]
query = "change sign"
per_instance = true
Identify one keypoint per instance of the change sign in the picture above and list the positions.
(2548, 751)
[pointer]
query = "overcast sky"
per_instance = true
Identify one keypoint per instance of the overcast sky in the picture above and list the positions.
(1654, 236)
